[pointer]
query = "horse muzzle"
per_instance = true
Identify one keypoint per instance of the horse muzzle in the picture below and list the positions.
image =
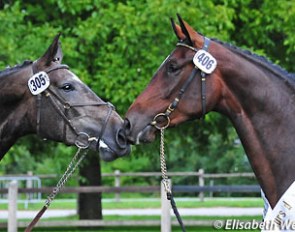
(146, 134)
(114, 146)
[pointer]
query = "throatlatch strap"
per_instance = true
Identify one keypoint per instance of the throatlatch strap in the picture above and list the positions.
(203, 80)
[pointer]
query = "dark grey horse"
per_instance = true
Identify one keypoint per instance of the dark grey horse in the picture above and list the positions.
(44, 97)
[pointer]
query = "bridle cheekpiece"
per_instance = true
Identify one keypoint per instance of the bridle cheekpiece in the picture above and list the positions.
(83, 139)
(205, 63)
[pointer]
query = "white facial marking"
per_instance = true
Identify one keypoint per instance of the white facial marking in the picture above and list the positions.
(75, 77)
(163, 63)
(102, 144)
(165, 60)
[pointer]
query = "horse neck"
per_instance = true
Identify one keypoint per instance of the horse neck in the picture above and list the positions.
(260, 105)
(16, 108)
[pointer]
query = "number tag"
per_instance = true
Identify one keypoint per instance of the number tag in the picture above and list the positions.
(205, 61)
(38, 83)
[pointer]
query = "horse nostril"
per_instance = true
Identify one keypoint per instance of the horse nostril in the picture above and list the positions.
(127, 126)
(128, 130)
(121, 139)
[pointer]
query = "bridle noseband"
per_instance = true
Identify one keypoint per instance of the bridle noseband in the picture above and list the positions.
(83, 139)
(173, 105)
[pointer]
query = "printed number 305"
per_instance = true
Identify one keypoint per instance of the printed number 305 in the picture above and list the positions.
(37, 82)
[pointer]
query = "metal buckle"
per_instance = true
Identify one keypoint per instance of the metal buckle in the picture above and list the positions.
(67, 105)
(154, 122)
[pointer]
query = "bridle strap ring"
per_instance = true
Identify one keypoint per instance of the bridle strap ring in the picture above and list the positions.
(155, 123)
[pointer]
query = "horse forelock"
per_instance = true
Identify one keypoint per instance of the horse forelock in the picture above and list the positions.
(274, 68)
(11, 70)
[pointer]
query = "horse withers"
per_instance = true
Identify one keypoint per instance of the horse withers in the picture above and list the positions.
(44, 97)
(202, 75)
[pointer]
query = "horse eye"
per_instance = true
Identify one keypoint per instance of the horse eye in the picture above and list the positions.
(67, 87)
(172, 68)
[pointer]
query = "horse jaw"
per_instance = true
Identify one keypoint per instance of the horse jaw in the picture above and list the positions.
(147, 135)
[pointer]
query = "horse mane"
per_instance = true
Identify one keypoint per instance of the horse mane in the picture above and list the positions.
(9, 70)
(274, 68)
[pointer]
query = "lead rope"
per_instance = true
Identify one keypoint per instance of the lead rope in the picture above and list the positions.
(68, 173)
(165, 180)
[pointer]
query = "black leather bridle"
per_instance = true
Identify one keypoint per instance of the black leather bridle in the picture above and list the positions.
(173, 105)
(83, 140)
(166, 116)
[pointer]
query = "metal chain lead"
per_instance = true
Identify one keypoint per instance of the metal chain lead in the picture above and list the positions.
(163, 163)
(68, 173)
(165, 180)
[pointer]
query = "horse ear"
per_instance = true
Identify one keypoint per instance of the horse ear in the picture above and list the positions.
(177, 30)
(184, 28)
(194, 38)
(53, 53)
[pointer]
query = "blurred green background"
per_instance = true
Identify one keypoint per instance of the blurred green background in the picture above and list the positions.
(116, 46)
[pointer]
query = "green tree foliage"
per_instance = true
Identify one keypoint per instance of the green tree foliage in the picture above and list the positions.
(116, 46)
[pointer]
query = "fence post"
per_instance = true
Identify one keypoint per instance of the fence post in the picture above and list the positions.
(29, 184)
(165, 210)
(211, 183)
(117, 184)
(201, 183)
(12, 206)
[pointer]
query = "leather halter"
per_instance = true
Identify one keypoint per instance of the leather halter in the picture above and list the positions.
(83, 139)
(176, 100)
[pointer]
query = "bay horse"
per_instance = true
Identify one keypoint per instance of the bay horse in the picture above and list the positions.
(45, 98)
(256, 95)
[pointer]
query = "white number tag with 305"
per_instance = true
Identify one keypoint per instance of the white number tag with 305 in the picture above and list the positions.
(38, 83)
(205, 61)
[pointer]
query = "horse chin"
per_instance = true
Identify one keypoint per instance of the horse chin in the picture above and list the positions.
(147, 135)
(107, 154)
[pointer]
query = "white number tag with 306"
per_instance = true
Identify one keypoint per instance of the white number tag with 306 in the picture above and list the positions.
(205, 61)
(38, 83)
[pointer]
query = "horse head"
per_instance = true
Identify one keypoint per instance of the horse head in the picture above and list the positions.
(55, 104)
(175, 93)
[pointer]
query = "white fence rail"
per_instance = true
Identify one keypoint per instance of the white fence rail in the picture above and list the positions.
(165, 222)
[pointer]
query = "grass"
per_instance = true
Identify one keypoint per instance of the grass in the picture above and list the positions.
(148, 203)
(133, 229)
(121, 229)
(150, 217)
(145, 228)
(187, 203)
